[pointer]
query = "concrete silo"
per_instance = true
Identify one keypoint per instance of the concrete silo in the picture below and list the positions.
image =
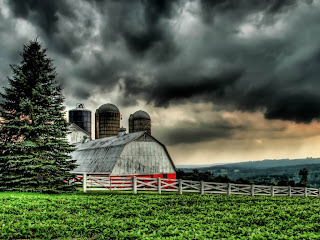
(131, 123)
(81, 117)
(107, 121)
(140, 121)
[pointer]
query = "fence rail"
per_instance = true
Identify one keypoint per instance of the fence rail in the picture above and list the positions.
(135, 184)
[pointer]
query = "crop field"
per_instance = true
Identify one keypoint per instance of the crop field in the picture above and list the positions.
(152, 216)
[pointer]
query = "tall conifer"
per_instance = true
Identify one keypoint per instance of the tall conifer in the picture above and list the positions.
(33, 146)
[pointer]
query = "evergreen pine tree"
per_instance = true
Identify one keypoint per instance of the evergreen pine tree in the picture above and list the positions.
(304, 182)
(34, 152)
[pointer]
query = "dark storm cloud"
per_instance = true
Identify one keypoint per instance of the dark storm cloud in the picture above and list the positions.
(271, 6)
(141, 26)
(41, 13)
(254, 55)
(253, 82)
(101, 70)
(80, 93)
(185, 86)
(152, 32)
(239, 9)
(197, 132)
(49, 16)
(216, 128)
(299, 107)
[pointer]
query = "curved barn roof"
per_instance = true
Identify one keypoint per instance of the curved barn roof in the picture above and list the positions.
(100, 156)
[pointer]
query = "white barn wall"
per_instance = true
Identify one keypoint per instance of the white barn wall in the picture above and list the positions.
(141, 158)
(76, 135)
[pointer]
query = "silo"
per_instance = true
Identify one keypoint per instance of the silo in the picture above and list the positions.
(107, 121)
(131, 123)
(81, 117)
(140, 121)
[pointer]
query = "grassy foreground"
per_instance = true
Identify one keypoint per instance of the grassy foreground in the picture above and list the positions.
(152, 216)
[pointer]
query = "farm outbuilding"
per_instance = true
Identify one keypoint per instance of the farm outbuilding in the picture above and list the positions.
(76, 134)
(132, 154)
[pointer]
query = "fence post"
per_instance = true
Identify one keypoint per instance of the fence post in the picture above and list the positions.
(252, 189)
(180, 186)
(306, 192)
(289, 189)
(229, 189)
(134, 183)
(272, 191)
(84, 182)
(201, 187)
(159, 185)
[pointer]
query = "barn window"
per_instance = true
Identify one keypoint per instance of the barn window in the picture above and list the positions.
(165, 175)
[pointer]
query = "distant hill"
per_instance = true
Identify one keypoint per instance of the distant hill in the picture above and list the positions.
(199, 166)
(266, 171)
(262, 164)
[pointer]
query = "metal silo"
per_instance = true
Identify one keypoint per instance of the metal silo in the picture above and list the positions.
(81, 117)
(107, 121)
(140, 121)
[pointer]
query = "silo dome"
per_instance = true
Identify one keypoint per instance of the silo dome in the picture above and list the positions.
(141, 115)
(108, 108)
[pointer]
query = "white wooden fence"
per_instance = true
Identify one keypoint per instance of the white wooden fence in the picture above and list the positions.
(135, 184)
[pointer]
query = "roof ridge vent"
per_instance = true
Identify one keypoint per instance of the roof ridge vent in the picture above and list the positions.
(122, 132)
(86, 139)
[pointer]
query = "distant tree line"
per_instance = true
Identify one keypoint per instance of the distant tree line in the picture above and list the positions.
(207, 176)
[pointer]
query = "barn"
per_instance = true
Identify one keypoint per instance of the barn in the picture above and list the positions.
(127, 155)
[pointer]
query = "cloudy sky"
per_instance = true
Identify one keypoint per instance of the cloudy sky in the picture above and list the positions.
(223, 80)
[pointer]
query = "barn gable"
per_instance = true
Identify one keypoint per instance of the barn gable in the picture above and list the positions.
(145, 138)
(109, 155)
(143, 156)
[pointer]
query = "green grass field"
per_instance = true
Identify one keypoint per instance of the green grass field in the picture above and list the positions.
(152, 216)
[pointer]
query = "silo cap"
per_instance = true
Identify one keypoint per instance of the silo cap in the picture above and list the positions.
(80, 107)
(141, 115)
(108, 108)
